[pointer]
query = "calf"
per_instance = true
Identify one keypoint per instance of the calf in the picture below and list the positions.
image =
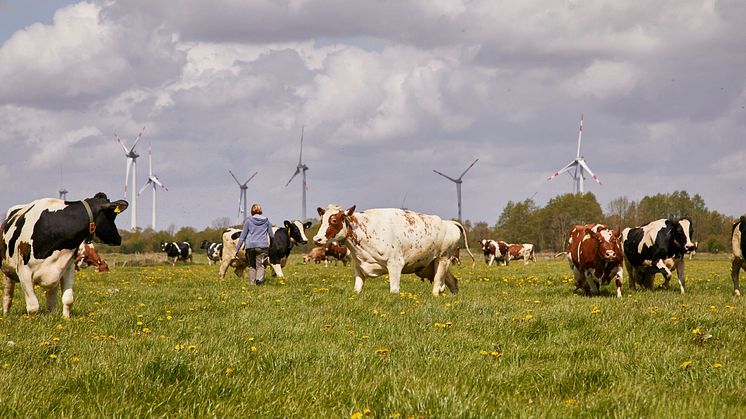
(338, 252)
(179, 251)
(279, 248)
(214, 251)
(41, 239)
(595, 257)
(738, 242)
(456, 258)
(317, 254)
(647, 247)
(495, 251)
(522, 251)
(88, 256)
(396, 242)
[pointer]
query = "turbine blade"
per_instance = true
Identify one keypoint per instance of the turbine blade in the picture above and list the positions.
(234, 177)
(300, 159)
(138, 138)
(467, 169)
(121, 143)
(144, 186)
(588, 169)
(158, 182)
(563, 170)
(445, 176)
(580, 135)
(249, 179)
(150, 159)
(297, 170)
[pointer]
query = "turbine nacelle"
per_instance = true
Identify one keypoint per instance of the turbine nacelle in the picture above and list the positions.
(579, 165)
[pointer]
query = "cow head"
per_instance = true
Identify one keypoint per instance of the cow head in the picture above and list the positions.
(297, 231)
(333, 225)
(104, 215)
(204, 244)
(88, 256)
(609, 247)
(167, 246)
(682, 234)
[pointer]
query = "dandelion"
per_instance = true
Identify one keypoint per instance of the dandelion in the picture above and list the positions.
(717, 365)
(74, 358)
(191, 347)
(139, 323)
(146, 330)
(382, 351)
(365, 337)
(6, 365)
(251, 338)
(595, 310)
(571, 402)
(686, 364)
(142, 305)
(253, 349)
(528, 317)
(697, 331)
(229, 371)
(53, 356)
(356, 415)
(45, 343)
(169, 318)
(327, 327)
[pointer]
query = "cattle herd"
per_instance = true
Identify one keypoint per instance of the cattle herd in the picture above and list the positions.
(45, 241)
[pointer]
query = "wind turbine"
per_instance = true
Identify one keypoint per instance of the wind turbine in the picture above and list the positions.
(301, 167)
(458, 182)
(152, 181)
(62, 191)
(131, 156)
(579, 165)
(242, 195)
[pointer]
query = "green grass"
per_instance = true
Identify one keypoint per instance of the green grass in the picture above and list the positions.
(516, 342)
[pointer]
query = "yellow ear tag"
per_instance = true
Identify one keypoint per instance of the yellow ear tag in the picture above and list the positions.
(586, 237)
(117, 210)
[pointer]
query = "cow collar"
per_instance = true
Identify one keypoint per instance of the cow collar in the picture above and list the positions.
(91, 223)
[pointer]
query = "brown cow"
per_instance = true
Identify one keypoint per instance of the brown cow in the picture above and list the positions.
(88, 256)
(738, 242)
(338, 252)
(495, 251)
(595, 255)
(317, 254)
(522, 251)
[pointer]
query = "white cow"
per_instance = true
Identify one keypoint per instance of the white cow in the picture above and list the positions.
(738, 242)
(396, 242)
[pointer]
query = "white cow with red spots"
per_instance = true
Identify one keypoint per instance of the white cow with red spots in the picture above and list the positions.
(396, 242)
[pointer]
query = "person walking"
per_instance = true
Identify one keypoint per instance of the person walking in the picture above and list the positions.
(256, 233)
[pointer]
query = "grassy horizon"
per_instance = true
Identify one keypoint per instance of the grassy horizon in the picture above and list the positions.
(176, 341)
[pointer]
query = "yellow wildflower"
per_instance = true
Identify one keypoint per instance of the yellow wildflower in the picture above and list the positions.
(382, 351)
(686, 364)
(717, 365)
(595, 310)
(53, 356)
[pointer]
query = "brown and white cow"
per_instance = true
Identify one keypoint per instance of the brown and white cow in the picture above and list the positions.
(523, 251)
(738, 242)
(317, 254)
(394, 241)
(88, 256)
(495, 251)
(338, 252)
(595, 255)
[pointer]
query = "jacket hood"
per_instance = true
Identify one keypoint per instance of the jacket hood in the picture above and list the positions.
(258, 220)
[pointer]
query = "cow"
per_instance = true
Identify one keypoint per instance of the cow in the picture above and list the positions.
(88, 256)
(338, 252)
(595, 255)
(498, 251)
(40, 241)
(738, 241)
(456, 258)
(317, 254)
(214, 251)
(522, 251)
(646, 249)
(286, 237)
(178, 251)
(394, 241)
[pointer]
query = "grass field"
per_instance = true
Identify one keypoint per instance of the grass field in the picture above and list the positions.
(515, 342)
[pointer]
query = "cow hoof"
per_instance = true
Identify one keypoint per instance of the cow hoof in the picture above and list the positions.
(738, 293)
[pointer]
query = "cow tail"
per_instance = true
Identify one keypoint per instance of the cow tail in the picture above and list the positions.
(466, 243)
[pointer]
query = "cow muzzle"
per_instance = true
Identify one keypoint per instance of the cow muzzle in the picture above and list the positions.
(610, 255)
(319, 240)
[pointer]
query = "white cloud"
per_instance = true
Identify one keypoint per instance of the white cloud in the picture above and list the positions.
(52, 153)
(604, 80)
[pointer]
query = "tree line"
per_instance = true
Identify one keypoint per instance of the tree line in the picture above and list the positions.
(519, 222)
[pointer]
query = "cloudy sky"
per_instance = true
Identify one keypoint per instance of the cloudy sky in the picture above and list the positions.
(387, 91)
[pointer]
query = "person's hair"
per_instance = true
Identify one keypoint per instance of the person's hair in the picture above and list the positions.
(256, 209)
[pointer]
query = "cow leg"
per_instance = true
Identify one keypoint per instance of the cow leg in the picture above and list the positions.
(68, 277)
(277, 270)
(451, 282)
(592, 284)
(525, 259)
(490, 259)
(7, 294)
(680, 275)
(51, 297)
(224, 267)
(32, 303)
(441, 268)
(663, 269)
(578, 280)
(394, 268)
(735, 271)
(359, 279)
(619, 280)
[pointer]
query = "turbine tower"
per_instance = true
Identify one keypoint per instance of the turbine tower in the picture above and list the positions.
(458, 181)
(578, 167)
(131, 156)
(62, 191)
(298, 169)
(152, 181)
(242, 195)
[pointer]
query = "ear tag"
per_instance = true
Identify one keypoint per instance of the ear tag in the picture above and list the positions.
(117, 210)
(586, 237)
(91, 228)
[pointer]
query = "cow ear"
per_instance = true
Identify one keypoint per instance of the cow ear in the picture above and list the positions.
(116, 206)
(307, 224)
(350, 210)
(320, 211)
(287, 224)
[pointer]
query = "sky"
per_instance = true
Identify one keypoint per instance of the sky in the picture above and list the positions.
(385, 91)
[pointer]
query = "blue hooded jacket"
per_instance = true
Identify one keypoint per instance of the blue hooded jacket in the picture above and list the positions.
(255, 232)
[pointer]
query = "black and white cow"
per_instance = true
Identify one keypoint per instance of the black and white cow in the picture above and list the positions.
(738, 241)
(214, 251)
(655, 248)
(179, 251)
(286, 237)
(41, 239)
